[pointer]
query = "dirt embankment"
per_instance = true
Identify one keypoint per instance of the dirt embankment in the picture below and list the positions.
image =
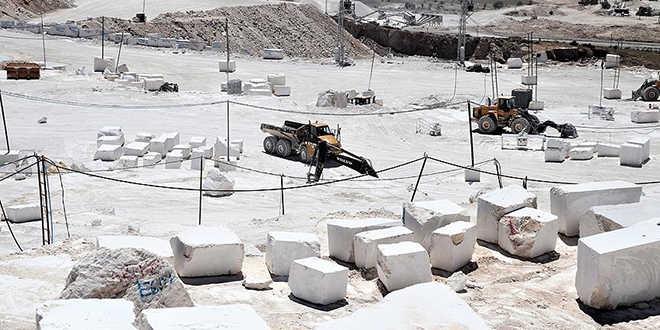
(23, 9)
(300, 30)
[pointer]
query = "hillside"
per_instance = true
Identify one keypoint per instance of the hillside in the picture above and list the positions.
(24, 9)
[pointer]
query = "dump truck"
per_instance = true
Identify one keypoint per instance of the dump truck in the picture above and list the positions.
(504, 113)
(314, 143)
(648, 91)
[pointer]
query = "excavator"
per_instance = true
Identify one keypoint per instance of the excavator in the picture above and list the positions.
(315, 144)
(648, 91)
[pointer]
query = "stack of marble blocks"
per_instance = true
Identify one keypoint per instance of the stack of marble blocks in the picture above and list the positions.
(570, 202)
(109, 143)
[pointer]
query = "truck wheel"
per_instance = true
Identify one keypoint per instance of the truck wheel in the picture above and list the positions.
(304, 153)
(269, 144)
(651, 93)
(283, 148)
(487, 125)
(520, 124)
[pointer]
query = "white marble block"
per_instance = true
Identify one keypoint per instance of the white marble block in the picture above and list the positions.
(425, 217)
(185, 149)
(153, 84)
(151, 159)
(555, 155)
(631, 155)
(276, 79)
(555, 143)
(612, 93)
(197, 141)
(208, 151)
(109, 131)
(528, 232)
(84, 314)
(282, 248)
(174, 159)
(604, 218)
(514, 63)
(158, 246)
(318, 281)
(366, 243)
(612, 60)
(143, 137)
(220, 149)
(646, 146)
(110, 139)
(279, 90)
(341, 234)
(108, 152)
(197, 159)
(100, 64)
(452, 245)
(23, 212)
(619, 268)
(422, 306)
(207, 251)
(237, 145)
(136, 149)
(536, 105)
(608, 150)
(403, 264)
(570, 202)
(173, 139)
(645, 116)
(494, 205)
(225, 66)
(159, 145)
(581, 153)
(127, 161)
(225, 317)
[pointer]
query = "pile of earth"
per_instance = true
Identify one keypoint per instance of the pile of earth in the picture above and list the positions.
(24, 9)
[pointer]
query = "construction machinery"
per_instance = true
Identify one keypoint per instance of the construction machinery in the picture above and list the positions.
(648, 91)
(315, 144)
(504, 113)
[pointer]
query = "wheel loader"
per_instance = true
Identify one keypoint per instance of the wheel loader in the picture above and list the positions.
(648, 91)
(504, 113)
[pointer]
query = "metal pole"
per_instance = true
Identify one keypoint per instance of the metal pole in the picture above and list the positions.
(282, 189)
(600, 99)
(373, 58)
(228, 143)
(201, 173)
(143, 1)
(119, 54)
(419, 178)
(43, 38)
(102, 37)
(227, 36)
(4, 121)
(471, 141)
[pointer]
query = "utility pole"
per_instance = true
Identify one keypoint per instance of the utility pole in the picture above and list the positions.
(466, 11)
(43, 38)
(102, 37)
(345, 7)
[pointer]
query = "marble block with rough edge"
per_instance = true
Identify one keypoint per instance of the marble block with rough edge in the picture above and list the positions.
(495, 204)
(282, 248)
(207, 251)
(174, 159)
(631, 155)
(452, 245)
(85, 314)
(608, 150)
(128, 161)
(555, 155)
(570, 202)
(425, 217)
(555, 143)
(186, 150)
(159, 145)
(144, 137)
(341, 234)
(528, 232)
(110, 139)
(645, 116)
(109, 131)
(581, 153)
(108, 152)
(155, 245)
(422, 306)
(366, 243)
(318, 281)
(136, 149)
(604, 218)
(225, 317)
(151, 159)
(220, 148)
(619, 268)
(197, 141)
(403, 264)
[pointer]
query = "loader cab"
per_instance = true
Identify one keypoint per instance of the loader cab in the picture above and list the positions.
(506, 103)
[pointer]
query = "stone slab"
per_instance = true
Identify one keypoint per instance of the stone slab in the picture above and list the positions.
(207, 251)
(108, 152)
(494, 205)
(136, 149)
(197, 141)
(341, 234)
(608, 150)
(318, 281)
(403, 264)
(283, 248)
(612, 93)
(645, 116)
(185, 149)
(452, 245)
(112, 140)
(225, 317)
(366, 243)
(581, 153)
(604, 218)
(151, 159)
(85, 314)
(425, 217)
(23, 212)
(528, 232)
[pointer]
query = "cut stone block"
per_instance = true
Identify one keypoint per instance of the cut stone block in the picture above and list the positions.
(100, 64)
(570, 202)
(153, 84)
(604, 218)
(472, 175)
(225, 66)
(280, 90)
(608, 150)
(208, 151)
(174, 159)
(528, 80)
(159, 145)
(207, 251)
(366, 243)
(197, 159)
(136, 149)
(273, 53)
(185, 149)
(341, 234)
(225, 317)
(646, 146)
(425, 217)
(494, 205)
(23, 213)
(173, 139)
(84, 314)
(197, 141)
(422, 306)
(318, 281)
(157, 246)
(112, 140)
(612, 60)
(220, 149)
(555, 155)
(528, 232)
(619, 268)
(452, 245)
(514, 63)
(403, 264)
(110, 131)
(645, 116)
(555, 143)
(127, 161)
(581, 153)
(237, 145)
(612, 93)
(282, 248)
(151, 159)
(631, 155)
(108, 152)
(536, 105)
(591, 145)
(276, 79)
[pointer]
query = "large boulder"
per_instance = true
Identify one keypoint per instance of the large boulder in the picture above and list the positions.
(219, 183)
(137, 275)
